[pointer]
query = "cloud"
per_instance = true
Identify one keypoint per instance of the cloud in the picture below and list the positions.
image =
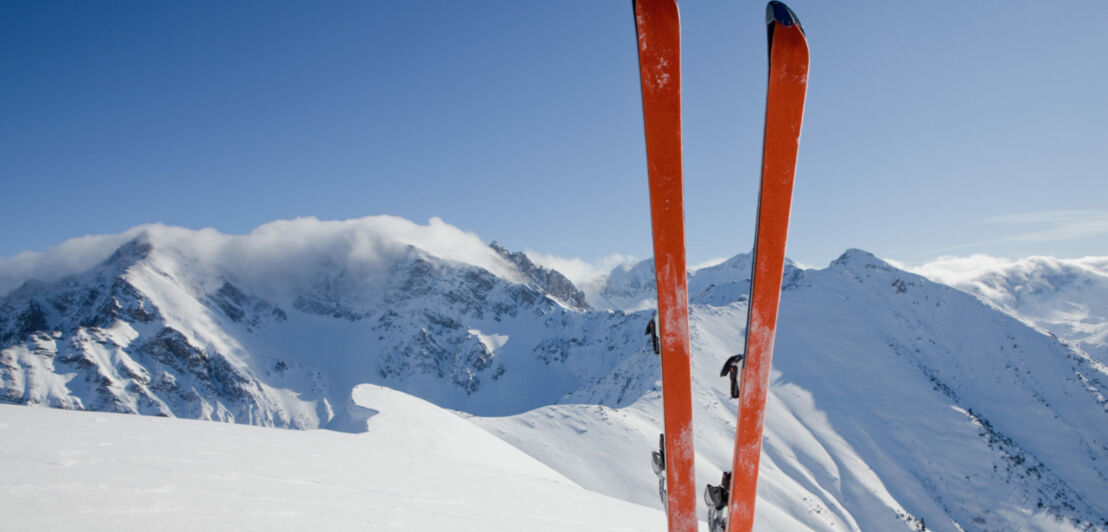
(1044, 216)
(69, 257)
(963, 271)
(1055, 225)
(273, 253)
(1097, 264)
(368, 238)
(958, 270)
(1031, 231)
(580, 272)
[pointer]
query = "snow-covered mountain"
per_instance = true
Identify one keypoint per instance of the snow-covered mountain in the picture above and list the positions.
(896, 402)
(1068, 297)
(172, 325)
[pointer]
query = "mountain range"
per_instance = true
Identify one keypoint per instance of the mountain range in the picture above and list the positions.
(896, 402)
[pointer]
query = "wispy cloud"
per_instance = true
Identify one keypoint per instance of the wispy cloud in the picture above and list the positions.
(957, 270)
(1044, 216)
(582, 273)
(1025, 230)
(1054, 225)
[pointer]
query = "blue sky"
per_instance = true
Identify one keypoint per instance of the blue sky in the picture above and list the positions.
(932, 128)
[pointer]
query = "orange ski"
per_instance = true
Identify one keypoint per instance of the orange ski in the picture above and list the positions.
(788, 82)
(659, 37)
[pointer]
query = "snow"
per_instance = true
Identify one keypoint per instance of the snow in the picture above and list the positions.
(492, 342)
(892, 399)
(868, 422)
(417, 468)
(1068, 297)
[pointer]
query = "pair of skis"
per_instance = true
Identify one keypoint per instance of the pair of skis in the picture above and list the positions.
(659, 42)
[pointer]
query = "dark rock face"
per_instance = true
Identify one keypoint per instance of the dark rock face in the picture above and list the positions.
(250, 312)
(547, 280)
(32, 319)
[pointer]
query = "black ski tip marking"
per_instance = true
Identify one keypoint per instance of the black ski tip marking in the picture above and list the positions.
(780, 13)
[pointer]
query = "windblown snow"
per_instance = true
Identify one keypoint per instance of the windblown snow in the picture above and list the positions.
(470, 388)
(1067, 297)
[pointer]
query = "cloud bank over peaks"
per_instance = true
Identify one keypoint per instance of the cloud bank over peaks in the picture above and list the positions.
(276, 250)
(69, 257)
(956, 271)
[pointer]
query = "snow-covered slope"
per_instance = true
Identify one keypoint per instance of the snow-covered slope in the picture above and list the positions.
(895, 402)
(1068, 297)
(417, 467)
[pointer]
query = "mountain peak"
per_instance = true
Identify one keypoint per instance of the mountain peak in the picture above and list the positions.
(132, 251)
(857, 258)
(548, 280)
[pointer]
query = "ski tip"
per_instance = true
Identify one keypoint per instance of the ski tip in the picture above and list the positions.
(780, 13)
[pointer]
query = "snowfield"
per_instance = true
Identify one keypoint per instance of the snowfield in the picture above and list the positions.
(417, 468)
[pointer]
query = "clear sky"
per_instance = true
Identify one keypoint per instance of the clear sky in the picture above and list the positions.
(932, 128)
